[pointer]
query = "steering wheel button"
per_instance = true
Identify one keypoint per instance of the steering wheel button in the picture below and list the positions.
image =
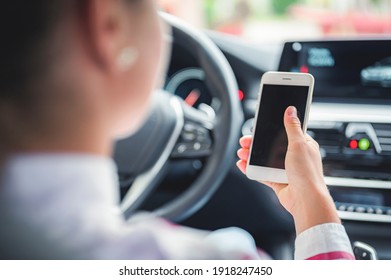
(188, 136)
(197, 146)
(189, 127)
(181, 148)
(202, 131)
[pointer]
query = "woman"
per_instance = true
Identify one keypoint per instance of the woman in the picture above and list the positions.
(75, 75)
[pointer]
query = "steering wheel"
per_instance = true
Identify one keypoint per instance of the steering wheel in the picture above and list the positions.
(176, 130)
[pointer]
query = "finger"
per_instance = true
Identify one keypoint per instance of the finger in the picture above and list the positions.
(311, 141)
(245, 141)
(309, 137)
(293, 125)
(241, 164)
(243, 154)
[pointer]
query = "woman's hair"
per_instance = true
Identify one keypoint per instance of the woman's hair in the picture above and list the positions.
(25, 28)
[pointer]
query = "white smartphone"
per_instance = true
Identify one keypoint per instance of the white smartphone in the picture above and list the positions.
(278, 91)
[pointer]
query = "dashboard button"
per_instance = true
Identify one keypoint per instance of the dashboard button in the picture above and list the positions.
(379, 211)
(342, 208)
(370, 210)
(350, 208)
(360, 209)
(389, 212)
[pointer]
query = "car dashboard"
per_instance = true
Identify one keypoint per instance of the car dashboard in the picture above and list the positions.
(350, 119)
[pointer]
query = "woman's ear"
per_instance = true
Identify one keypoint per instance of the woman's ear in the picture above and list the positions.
(108, 32)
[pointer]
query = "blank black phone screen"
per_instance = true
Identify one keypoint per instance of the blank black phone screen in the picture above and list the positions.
(270, 140)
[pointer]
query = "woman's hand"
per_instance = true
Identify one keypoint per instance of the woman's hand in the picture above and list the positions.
(306, 196)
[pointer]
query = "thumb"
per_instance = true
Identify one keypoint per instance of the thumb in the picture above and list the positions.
(292, 125)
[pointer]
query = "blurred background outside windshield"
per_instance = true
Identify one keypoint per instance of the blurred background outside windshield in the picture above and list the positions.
(261, 21)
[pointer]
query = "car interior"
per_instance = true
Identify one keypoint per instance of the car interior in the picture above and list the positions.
(186, 170)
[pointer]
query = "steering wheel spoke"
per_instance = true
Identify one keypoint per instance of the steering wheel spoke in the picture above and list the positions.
(196, 139)
(195, 142)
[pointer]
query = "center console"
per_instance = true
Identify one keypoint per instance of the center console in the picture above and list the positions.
(351, 120)
(355, 145)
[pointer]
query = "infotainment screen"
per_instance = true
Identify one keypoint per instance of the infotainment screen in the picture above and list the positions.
(358, 70)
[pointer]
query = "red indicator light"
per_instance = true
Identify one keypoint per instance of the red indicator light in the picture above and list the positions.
(304, 69)
(353, 144)
(241, 95)
(193, 97)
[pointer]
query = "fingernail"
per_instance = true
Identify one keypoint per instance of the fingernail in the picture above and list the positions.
(292, 111)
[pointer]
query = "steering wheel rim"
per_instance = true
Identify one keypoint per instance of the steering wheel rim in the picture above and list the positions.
(225, 127)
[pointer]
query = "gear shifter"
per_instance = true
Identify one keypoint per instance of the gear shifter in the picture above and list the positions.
(363, 251)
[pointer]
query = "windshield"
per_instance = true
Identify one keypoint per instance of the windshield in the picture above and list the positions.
(285, 20)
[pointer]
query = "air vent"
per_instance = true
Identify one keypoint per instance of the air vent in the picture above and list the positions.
(328, 138)
(383, 132)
